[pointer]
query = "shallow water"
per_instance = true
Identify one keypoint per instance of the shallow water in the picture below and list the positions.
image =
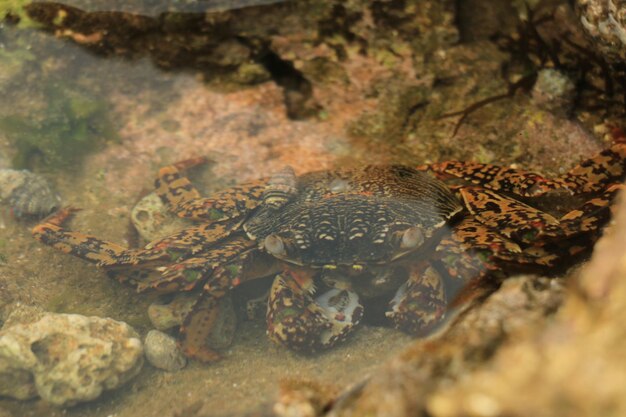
(97, 112)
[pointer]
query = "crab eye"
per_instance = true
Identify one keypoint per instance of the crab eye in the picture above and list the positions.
(412, 238)
(274, 245)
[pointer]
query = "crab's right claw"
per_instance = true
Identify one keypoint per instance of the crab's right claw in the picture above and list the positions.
(298, 321)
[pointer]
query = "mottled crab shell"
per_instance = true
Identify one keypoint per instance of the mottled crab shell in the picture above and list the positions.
(371, 215)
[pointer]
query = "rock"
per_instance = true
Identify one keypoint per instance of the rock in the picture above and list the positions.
(163, 352)
(604, 22)
(169, 312)
(67, 358)
(152, 219)
(575, 363)
(554, 91)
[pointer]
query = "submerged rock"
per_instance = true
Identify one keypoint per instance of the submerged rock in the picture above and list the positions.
(554, 91)
(67, 358)
(604, 22)
(163, 352)
(152, 219)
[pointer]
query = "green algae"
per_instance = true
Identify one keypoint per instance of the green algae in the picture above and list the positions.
(16, 9)
(69, 125)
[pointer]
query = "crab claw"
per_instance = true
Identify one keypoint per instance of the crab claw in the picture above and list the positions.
(419, 305)
(296, 320)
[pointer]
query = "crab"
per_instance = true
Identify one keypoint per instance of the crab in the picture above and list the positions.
(330, 238)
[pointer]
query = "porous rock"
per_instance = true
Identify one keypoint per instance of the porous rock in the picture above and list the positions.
(67, 358)
(152, 219)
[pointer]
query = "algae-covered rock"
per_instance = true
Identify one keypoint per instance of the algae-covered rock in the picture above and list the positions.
(70, 123)
(67, 358)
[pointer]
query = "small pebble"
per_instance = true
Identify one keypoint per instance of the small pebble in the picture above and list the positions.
(163, 352)
(554, 91)
(152, 219)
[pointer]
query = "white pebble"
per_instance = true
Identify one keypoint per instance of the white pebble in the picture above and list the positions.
(162, 351)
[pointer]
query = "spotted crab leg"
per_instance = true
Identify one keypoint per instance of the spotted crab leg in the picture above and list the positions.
(523, 223)
(51, 232)
(591, 215)
(594, 174)
(107, 254)
(235, 262)
(543, 239)
(184, 200)
(507, 216)
(300, 322)
(420, 303)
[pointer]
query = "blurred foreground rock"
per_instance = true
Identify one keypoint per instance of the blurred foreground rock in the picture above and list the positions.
(66, 358)
(576, 366)
(503, 358)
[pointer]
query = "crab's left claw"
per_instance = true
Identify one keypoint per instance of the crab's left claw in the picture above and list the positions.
(296, 320)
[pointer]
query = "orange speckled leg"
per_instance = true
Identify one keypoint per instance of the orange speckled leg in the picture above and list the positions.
(184, 200)
(51, 232)
(507, 216)
(229, 266)
(591, 175)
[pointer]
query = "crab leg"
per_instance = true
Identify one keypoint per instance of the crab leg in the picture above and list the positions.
(593, 174)
(108, 254)
(474, 239)
(197, 327)
(523, 223)
(596, 173)
(501, 221)
(591, 215)
(227, 267)
(420, 303)
(87, 247)
(300, 322)
(510, 217)
(183, 199)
